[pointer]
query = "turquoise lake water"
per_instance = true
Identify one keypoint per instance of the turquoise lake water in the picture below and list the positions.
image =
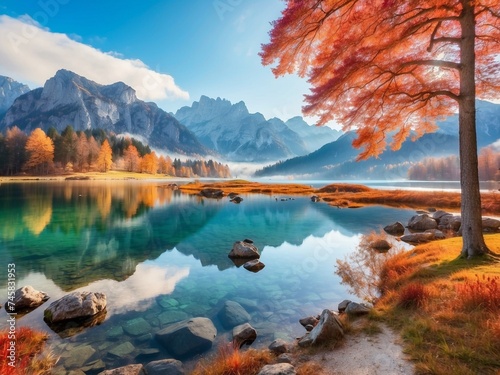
(161, 256)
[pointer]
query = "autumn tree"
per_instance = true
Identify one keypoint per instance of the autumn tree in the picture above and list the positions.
(40, 150)
(131, 159)
(81, 152)
(93, 153)
(390, 68)
(150, 163)
(105, 159)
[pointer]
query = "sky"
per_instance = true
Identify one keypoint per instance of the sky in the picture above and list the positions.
(170, 51)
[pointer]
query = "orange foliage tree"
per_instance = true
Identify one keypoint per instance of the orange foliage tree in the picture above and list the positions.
(394, 67)
(105, 157)
(132, 159)
(40, 149)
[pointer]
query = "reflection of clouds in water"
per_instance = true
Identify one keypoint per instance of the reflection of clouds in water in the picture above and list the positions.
(148, 281)
(106, 250)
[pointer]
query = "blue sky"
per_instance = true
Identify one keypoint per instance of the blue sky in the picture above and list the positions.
(208, 47)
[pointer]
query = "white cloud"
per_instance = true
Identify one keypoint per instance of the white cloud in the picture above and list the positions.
(31, 54)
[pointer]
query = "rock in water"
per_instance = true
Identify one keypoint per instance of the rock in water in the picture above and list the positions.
(27, 298)
(188, 337)
(233, 314)
(74, 306)
(243, 334)
(242, 249)
(395, 229)
(422, 222)
(165, 367)
(254, 265)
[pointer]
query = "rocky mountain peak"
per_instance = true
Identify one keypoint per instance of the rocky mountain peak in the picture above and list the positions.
(10, 90)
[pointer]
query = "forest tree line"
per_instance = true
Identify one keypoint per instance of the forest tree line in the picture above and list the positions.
(448, 168)
(92, 150)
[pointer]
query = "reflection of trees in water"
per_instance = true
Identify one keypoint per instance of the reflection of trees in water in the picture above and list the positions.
(37, 212)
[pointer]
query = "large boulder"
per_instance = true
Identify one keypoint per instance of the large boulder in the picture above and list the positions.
(450, 222)
(279, 346)
(244, 249)
(243, 334)
(75, 305)
(491, 225)
(438, 215)
(233, 314)
(328, 329)
(416, 238)
(188, 337)
(278, 369)
(165, 367)
(355, 309)
(27, 298)
(422, 222)
(395, 229)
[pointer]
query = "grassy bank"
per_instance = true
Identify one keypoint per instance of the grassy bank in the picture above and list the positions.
(99, 176)
(351, 195)
(447, 309)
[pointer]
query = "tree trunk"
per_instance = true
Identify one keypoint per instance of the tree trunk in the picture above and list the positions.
(472, 231)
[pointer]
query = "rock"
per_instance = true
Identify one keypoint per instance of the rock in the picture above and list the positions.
(125, 370)
(310, 320)
(172, 316)
(75, 305)
(431, 209)
(137, 327)
(212, 193)
(415, 238)
(27, 298)
(284, 358)
(188, 336)
(328, 329)
(437, 234)
(305, 341)
(164, 367)
(315, 198)
(437, 215)
(233, 314)
(114, 333)
(254, 265)
(343, 305)
(278, 369)
(449, 221)
(243, 334)
(79, 356)
(279, 346)
(395, 229)
(357, 309)
(380, 245)
(242, 249)
(491, 225)
(122, 350)
(236, 200)
(422, 222)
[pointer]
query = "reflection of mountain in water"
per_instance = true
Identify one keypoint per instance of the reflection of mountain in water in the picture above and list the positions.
(78, 233)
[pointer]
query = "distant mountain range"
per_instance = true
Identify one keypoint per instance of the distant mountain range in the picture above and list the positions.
(336, 160)
(69, 99)
(209, 127)
(238, 135)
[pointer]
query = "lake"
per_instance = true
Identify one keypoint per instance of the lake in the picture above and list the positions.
(161, 256)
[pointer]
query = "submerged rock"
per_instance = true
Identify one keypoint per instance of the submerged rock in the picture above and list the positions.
(188, 337)
(137, 327)
(233, 314)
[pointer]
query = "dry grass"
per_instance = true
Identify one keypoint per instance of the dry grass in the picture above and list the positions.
(246, 187)
(311, 368)
(29, 352)
(453, 326)
(231, 361)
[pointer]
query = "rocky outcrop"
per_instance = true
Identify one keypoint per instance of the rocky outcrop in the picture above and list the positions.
(243, 249)
(395, 229)
(27, 298)
(422, 223)
(244, 334)
(328, 329)
(343, 305)
(233, 314)
(10, 90)
(278, 369)
(188, 337)
(75, 305)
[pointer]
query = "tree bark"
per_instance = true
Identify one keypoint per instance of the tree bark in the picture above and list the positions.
(472, 231)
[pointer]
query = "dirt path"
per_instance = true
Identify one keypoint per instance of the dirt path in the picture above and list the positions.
(362, 354)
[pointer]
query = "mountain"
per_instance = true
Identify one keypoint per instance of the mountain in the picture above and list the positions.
(10, 90)
(314, 137)
(239, 135)
(69, 99)
(337, 160)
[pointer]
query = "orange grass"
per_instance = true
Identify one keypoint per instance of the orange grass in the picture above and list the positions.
(29, 357)
(453, 325)
(232, 361)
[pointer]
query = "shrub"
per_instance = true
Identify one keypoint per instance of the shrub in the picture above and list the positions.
(482, 293)
(412, 295)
